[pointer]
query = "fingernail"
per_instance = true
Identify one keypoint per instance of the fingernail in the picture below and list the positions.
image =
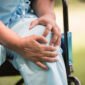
(45, 68)
(30, 28)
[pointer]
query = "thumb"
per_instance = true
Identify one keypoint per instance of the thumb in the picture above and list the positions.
(34, 23)
(41, 39)
(47, 30)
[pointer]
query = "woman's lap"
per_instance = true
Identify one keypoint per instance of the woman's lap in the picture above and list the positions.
(32, 74)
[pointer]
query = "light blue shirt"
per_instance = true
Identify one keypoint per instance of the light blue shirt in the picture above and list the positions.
(7, 8)
(11, 10)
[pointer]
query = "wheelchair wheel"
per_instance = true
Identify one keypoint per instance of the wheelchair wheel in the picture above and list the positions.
(73, 81)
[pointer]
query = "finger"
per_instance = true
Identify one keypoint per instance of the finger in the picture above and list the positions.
(49, 54)
(48, 59)
(47, 30)
(48, 48)
(34, 23)
(54, 38)
(58, 42)
(41, 39)
(40, 64)
(56, 35)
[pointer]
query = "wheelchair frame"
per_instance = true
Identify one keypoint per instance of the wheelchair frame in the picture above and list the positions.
(69, 68)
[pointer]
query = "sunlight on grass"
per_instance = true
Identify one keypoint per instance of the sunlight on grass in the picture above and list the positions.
(9, 80)
(79, 63)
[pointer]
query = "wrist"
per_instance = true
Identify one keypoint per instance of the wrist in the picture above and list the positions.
(51, 15)
(46, 13)
(13, 44)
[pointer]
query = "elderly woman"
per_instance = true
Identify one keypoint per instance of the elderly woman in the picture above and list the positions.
(33, 41)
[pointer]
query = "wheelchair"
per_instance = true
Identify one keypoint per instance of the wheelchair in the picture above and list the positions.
(66, 45)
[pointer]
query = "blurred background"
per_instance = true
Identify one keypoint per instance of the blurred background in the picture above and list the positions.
(77, 27)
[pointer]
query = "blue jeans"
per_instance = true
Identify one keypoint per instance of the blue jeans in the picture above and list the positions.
(31, 73)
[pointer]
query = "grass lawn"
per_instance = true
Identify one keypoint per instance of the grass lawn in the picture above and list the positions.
(9, 80)
(77, 26)
(79, 63)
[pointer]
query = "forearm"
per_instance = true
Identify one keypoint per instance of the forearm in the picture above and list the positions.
(8, 38)
(42, 7)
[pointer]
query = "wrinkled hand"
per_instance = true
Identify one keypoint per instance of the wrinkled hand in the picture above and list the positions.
(31, 49)
(49, 21)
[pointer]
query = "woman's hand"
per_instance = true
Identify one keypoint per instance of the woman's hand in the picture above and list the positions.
(49, 21)
(28, 47)
(31, 49)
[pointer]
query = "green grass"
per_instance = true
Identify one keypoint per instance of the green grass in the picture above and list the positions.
(79, 63)
(79, 56)
(9, 80)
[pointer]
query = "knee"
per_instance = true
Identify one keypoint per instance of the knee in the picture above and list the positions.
(37, 30)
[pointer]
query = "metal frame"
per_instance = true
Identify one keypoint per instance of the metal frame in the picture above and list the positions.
(71, 79)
